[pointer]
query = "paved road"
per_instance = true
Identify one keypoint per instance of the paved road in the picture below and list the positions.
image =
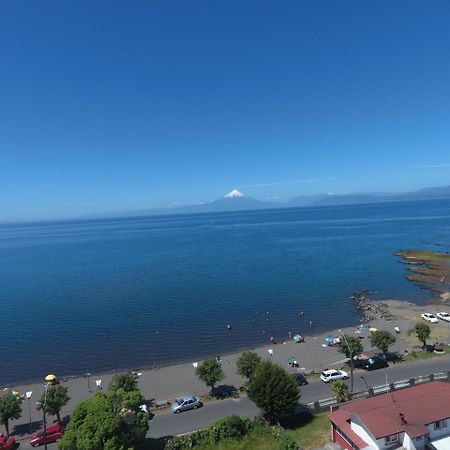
(171, 424)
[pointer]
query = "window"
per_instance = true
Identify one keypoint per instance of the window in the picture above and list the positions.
(391, 439)
(440, 424)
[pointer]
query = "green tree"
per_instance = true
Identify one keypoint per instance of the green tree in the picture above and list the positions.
(10, 408)
(423, 332)
(210, 372)
(126, 381)
(247, 363)
(340, 391)
(351, 347)
(106, 421)
(273, 390)
(57, 397)
(382, 340)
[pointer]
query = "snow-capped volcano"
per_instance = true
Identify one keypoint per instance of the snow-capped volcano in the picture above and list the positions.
(234, 194)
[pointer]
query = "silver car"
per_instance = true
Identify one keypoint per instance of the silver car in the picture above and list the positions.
(185, 403)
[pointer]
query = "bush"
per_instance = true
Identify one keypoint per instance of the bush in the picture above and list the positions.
(232, 427)
(285, 442)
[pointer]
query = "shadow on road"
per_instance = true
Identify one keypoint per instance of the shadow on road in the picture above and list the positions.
(24, 429)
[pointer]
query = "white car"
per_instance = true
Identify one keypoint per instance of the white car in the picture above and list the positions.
(429, 318)
(444, 316)
(332, 375)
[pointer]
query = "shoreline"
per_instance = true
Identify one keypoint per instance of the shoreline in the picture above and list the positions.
(257, 346)
(315, 340)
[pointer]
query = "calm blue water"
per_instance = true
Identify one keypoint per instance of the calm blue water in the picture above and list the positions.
(106, 294)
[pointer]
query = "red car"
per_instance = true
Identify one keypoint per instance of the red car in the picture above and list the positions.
(54, 432)
(7, 443)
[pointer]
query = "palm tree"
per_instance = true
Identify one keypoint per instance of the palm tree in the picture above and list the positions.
(340, 391)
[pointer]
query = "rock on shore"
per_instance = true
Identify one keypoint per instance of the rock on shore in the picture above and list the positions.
(370, 309)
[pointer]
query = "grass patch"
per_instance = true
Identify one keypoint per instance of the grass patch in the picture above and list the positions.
(315, 432)
(423, 255)
(256, 440)
(425, 355)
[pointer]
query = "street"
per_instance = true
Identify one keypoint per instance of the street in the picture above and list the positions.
(167, 424)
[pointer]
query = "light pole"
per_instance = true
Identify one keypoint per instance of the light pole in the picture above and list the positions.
(365, 382)
(351, 361)
(28, 396)
(88, 383)
(45, 419)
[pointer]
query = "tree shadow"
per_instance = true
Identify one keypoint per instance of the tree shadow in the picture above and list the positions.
(300, 418)
(224, 391)
(153, 443)
(24, 428)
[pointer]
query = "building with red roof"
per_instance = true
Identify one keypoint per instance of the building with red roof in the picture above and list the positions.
(414, 418)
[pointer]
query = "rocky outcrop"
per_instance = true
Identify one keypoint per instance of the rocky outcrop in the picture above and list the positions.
(370, 309)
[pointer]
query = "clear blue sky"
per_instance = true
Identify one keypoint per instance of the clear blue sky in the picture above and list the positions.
(113, 105)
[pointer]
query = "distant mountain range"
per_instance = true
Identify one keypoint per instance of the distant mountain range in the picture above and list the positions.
(237, 201)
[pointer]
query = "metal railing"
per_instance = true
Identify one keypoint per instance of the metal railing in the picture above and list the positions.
(326, 403)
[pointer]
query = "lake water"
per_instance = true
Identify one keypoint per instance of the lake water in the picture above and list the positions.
(126, 293)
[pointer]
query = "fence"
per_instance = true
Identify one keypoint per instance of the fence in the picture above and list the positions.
(326, 403)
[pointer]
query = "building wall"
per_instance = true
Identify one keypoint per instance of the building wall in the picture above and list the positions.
(413, 444)
(340, 440)
(359, 429)
(438, 433)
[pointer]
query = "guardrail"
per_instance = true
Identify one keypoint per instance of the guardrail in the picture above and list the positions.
(326, 403)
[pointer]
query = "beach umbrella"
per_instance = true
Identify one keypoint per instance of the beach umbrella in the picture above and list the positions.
(50, 377)
(373, 329)
(329, 338)
(291, 360)
(297, 338)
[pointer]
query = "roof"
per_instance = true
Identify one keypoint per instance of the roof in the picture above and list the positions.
(441, 444)
(407, 410)
(341, 419)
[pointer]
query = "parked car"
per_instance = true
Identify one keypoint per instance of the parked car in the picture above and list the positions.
(429, 318)
(444, 316)
(300, 379)
(185, 403)
(377, 362)
(7, 443)
(53, 433)
(331, 375)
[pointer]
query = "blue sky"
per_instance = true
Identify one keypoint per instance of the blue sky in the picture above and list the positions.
(116, 105)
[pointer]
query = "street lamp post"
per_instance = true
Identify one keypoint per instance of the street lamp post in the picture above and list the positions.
(88, 382)
(365, 382)
(28, 396)
(45, 418)
(351, 361)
